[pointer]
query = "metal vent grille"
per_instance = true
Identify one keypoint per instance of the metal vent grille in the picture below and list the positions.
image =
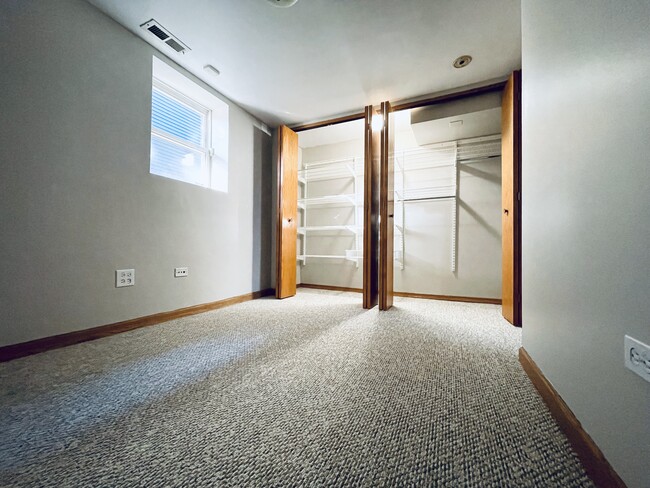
(175, 46)
(158, 32)
(154, 27)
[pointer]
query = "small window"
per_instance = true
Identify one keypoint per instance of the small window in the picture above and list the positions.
(189, 129)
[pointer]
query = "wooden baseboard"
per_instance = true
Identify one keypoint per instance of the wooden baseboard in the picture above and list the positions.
(329, 287)
(593, 460)
(15, 351)
(449, 298)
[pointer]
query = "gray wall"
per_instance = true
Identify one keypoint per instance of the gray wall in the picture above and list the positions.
(586, 213)
(77, 199)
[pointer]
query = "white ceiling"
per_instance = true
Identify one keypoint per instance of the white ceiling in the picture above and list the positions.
(323, 58)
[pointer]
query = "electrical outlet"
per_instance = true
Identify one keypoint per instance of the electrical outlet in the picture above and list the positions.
(181, 272)
(637, 357)
(124, 277)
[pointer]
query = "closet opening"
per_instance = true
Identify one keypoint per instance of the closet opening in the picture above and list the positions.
(427, 205)
(330, 232)
(447, 200)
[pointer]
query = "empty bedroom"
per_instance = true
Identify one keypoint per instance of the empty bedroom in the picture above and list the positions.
(324, 243)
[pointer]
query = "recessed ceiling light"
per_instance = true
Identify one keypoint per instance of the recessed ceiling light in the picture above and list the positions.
(283, 3)
(462, 61)
(212, 70)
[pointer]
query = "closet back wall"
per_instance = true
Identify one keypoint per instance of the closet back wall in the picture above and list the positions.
(77, 201)
(428, 233)
(333, 272)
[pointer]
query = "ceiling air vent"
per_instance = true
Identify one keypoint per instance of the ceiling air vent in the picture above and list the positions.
(164, 35)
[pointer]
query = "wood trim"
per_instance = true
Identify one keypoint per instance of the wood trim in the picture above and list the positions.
(406, 104)
(518, 197)
(325, 123)
(278, 209)
(330, 287)
(424, 102)
(386, 210)
(592, 458)
(449, 298)
(370, 213)
(14, 351)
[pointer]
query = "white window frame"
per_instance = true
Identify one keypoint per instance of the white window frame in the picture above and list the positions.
(215, 111)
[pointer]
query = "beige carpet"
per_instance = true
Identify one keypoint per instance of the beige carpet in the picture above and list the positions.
(308, 391)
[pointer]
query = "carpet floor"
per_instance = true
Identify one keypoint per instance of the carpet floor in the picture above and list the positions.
(307, 391)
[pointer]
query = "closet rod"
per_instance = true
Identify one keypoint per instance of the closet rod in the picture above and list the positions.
(473, 160)
(424, 199)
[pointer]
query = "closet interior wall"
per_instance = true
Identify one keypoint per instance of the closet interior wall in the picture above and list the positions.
(448, 199)
(330, 205)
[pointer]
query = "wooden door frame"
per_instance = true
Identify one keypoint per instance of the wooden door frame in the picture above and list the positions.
(370, 214)
(407, 105)
(328, 122)
(493, 87)
(448, 97)
(517, 189)
(437, 99)
(386, 212)
(371, 211)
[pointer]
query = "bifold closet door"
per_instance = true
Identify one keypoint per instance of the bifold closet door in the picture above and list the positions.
(287, 212)
(511, 199)
(386, 209)
(370, 213)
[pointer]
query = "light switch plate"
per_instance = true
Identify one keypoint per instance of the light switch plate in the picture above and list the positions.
(181, 272)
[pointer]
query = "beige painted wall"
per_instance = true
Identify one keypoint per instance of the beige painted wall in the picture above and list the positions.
(586, 213)
(76, 197)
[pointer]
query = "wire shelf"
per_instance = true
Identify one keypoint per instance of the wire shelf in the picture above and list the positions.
(330, 170)
(334, 200)
(330, 228)
(303, 257)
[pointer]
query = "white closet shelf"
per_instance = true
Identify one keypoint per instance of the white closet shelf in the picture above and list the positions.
(438, 156)
(319, 256)
(331, 169)
(479, 148)
(329, 228)
(333, 200)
